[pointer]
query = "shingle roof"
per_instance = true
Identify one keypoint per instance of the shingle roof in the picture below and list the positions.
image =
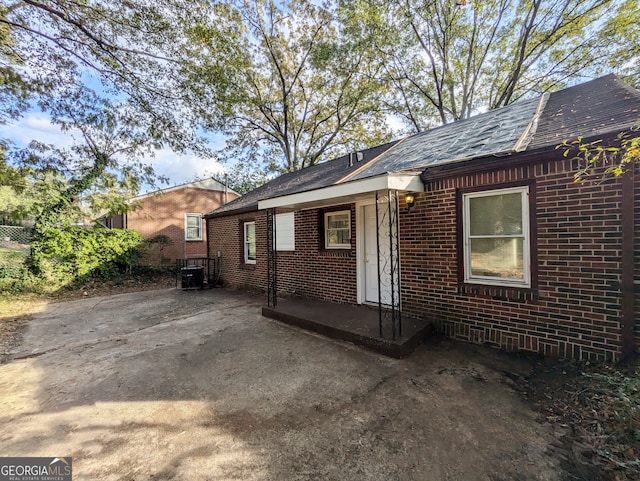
(500, 130)
(602, 106)
(310, 178)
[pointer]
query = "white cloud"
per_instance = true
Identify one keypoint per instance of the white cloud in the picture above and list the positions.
(179, 168)
(34, 126)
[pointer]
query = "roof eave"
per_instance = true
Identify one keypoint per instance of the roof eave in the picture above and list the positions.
(225, 213)
(345, 192)
(502, 159)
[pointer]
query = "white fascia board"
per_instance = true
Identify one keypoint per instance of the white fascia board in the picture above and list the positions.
(407, 182)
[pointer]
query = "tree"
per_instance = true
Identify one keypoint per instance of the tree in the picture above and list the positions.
(67, 58)
(97, 173)
(617, 157)
(244, 178)
(620, 35)
(302, 87)
(447, 60)
(132, 48)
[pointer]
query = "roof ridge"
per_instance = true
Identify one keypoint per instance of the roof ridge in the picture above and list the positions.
(531, 128)
(192, 184)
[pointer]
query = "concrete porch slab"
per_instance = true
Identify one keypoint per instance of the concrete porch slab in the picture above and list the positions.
(353, 323)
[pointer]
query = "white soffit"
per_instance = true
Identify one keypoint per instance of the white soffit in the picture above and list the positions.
(346, 191)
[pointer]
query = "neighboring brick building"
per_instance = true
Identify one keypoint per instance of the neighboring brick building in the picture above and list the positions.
(500, 246)
(174, 217)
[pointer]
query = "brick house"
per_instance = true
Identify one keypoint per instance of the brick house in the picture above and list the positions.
(476, 226)
(176, 215)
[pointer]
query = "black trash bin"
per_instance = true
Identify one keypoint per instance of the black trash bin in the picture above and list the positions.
(192, 277)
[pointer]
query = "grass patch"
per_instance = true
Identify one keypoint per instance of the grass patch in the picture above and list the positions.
(13, 257)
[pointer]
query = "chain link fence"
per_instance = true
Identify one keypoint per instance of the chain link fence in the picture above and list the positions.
(20, 235)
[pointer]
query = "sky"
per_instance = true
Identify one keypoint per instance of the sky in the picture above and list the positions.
(179, 168)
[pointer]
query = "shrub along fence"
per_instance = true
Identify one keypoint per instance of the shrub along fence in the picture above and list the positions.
(68, 254)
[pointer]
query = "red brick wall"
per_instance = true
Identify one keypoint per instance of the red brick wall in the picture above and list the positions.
(225, 236)
(576, 310)
(636, 250)
(308, 271)
(312, 271)
(164, 215)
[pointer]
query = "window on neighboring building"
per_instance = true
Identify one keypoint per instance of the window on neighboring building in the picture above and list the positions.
(193, 227)
(249, 242)
(285, 232)
(496, 237)
(337, 230)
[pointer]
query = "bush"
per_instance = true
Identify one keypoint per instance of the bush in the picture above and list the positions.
(15, 278)
(68, 254)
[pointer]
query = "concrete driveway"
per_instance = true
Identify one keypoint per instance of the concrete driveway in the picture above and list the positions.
(173, 385)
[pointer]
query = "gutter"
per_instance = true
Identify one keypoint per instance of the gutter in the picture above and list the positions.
(239, 210)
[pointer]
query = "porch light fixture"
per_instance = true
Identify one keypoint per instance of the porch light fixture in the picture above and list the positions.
(410, 200)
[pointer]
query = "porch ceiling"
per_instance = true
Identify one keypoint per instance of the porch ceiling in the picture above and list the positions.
(346, 192)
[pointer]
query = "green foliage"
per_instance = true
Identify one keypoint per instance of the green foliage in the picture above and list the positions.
(52, 56)
(134, 48)
(302, 88)
(16, 279)
(11, 258)
(243, 179)
(14, 274)
(446, 60)
(616, 157)
(67, 254)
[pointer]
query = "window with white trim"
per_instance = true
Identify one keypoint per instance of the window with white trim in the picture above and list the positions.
(193, 227)
(497, 243)
(249, 242)
(337, 230)
(285, 232)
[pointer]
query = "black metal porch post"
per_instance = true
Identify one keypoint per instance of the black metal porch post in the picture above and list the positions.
(272, 264)
(387, 230)
(378, 266)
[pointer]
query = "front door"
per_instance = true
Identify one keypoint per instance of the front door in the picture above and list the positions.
(370, 259)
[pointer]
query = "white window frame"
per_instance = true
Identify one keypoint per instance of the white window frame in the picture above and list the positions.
(186, 226)
(285, 232)
(326, 229)
(526, 239)
(245, 243)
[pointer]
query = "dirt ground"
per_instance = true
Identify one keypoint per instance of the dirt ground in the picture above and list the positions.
(173, 385)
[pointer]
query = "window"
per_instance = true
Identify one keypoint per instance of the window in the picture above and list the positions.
(193, 227)
(496, 237)
(285, 232)
(249, 243)
(337, 230)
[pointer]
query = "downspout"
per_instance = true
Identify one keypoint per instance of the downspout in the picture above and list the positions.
(206, 235)
(627, 321)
